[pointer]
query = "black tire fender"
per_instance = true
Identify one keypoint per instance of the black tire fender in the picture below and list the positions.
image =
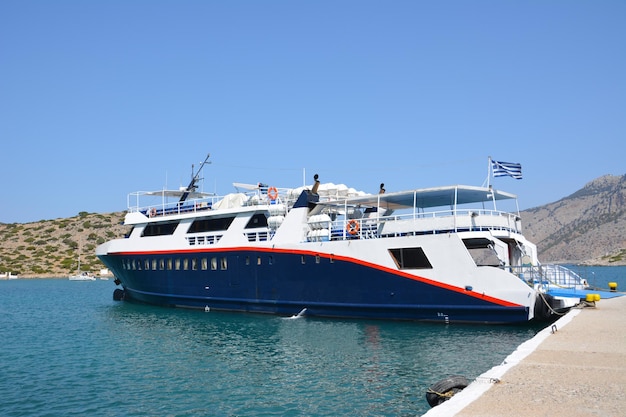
(118, 294)
(444, 390)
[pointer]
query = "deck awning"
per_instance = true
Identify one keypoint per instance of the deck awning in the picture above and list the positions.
(428, 197)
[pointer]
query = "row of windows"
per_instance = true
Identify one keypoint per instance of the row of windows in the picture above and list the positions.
(213, 239)
(203, 225)
(203, 240)
(194, 264)
(175, 264)
(405, 258)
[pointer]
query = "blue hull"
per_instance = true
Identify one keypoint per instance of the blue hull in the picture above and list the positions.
(285, 283)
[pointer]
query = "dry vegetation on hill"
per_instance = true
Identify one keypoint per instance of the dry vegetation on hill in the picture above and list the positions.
(52, 247)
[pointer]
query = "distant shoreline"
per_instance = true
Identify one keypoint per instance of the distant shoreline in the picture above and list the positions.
(54, 276)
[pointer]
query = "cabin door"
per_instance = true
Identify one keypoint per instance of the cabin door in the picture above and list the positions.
(233, 271)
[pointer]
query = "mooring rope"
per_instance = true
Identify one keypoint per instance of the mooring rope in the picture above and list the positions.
(549, 306)
(448, 394)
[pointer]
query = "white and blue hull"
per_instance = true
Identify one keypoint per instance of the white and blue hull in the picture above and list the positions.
(432, 254)
(325, 278)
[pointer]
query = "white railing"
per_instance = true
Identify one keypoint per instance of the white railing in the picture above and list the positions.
(158, 204)
(549, 276)
(446, 221)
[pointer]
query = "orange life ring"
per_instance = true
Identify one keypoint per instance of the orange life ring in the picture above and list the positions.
(152, 212)
(352, 227)
(272, 193)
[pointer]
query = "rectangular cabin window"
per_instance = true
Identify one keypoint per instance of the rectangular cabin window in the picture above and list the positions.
(146, 265)
(177, 264)
(482, 251)
(223, 264)
(258, 220)
(185, 264)
(161, 264)
(194, 264)
(210, 225)
(205, 264)
(169, 264)
(410, 258)
(160, 229)
(247, 260)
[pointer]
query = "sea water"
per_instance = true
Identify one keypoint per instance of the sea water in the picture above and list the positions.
(66, 348)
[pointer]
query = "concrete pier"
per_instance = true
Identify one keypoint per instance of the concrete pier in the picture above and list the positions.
(575, 368)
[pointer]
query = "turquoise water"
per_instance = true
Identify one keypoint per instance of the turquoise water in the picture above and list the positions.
(600, 276)
(68, 349)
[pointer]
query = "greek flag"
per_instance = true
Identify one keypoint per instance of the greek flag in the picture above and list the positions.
(500, 169)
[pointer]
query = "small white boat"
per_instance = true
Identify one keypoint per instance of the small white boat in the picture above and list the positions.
(82, 276)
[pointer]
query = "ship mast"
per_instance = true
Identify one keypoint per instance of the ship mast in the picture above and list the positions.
(194, 179)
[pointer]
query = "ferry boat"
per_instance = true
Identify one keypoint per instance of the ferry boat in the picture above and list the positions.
(444, 254)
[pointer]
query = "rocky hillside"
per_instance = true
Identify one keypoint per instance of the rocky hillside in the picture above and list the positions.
(588, 227)
(52, 247)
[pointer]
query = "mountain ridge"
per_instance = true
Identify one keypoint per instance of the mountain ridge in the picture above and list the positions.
(587, 227)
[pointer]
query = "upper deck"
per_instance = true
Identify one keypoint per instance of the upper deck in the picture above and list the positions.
(341, 212)
(421, 211)
(166, 203)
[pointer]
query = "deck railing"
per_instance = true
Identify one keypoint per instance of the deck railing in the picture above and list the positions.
(549, 275)
(445, 221)
(153, 204)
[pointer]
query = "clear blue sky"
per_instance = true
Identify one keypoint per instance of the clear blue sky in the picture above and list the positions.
(102, 98)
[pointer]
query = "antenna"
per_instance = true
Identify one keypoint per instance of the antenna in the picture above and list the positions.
(194, 179)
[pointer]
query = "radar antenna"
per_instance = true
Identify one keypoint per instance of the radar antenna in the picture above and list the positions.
(194, 179)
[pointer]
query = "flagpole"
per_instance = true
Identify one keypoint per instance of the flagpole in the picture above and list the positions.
(488, 171)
